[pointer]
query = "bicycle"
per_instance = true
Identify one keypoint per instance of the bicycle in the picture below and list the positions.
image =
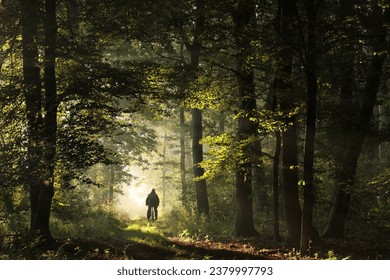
(152, 215)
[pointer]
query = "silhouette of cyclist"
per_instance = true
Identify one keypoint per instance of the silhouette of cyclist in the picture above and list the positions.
(152, 201)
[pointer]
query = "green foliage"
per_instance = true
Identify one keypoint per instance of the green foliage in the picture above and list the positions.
(192, 226)
(223, 152)
(14, 214)
(331, 255)
(83, 224)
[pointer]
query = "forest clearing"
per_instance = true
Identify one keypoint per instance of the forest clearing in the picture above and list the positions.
(262, 129)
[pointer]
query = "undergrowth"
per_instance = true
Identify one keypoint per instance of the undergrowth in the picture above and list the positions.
(102, 234)
(189, 225)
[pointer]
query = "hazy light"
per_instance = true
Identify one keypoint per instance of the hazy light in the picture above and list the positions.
(133, 200)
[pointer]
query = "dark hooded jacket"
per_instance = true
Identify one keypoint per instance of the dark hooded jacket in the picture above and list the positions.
(153, 200)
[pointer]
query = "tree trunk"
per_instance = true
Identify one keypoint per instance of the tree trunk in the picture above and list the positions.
(346, 174)
(32, 88)
(41, 134)
(243, 17)
(183, 159)
(32, 93)
(384, 121)
(197, 154)
(311, 107)
(50, 120)
(197, 126)
(42, 199)
(164, 172)
(243, 219)
(287, 14)
(292, 208)
(221, 122)
(260, 198)
(111, 186)
(275, 185)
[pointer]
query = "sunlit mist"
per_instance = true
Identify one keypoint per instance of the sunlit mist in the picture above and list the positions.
(132, 202)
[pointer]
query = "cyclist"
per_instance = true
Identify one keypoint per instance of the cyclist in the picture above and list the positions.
(152, 201)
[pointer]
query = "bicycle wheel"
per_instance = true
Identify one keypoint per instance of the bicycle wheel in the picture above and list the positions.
(152, 214)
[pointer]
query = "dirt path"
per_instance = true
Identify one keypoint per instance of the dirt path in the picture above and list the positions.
(179, 249)
(173, 249)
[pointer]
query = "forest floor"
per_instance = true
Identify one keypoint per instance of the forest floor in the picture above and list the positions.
(251, 249)
(148, 245)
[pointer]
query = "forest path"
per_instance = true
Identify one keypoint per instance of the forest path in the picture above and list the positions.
(170, 249)
(173, 248)
(227, 249)
(154, 247)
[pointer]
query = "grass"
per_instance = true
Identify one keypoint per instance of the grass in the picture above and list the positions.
(145, 233)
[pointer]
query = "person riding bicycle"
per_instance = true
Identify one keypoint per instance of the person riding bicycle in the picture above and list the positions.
(152, 201)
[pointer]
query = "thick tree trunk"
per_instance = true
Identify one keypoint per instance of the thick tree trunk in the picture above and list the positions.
(287, 14)
(32, 93)
(311, 107)
(41, 134)
(292, 208)
(197, 125)
(32, 88)
(197, 154)
(243, 219)
(50, 120)
(41, 208)
(197, 147)
(243, 17)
